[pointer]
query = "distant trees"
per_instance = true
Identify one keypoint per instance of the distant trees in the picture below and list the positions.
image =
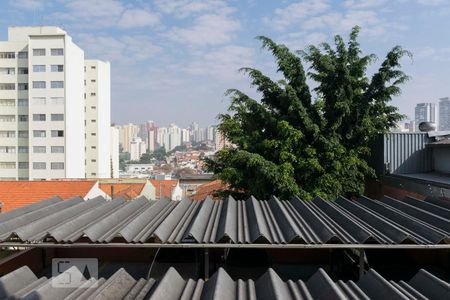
(308, 141)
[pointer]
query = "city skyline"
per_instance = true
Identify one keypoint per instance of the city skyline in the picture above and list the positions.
(169, 62)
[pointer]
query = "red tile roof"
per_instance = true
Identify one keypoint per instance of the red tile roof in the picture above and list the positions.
(126, 190)
(15, 194)
(163, 188)
(208, 189)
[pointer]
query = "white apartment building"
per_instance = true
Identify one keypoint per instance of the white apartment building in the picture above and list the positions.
(97, 105)
(42, 108)
(41, 100)
(126, 134)
(137, 148)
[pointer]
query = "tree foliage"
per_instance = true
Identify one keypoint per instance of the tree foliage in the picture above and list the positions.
(299, 140)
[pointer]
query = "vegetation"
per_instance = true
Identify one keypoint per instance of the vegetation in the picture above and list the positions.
(299, 140)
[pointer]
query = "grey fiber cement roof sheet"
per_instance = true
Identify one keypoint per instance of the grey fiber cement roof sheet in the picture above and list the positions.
(273, 221)
(23, 284)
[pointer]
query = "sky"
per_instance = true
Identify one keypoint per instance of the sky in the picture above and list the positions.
(173, 60)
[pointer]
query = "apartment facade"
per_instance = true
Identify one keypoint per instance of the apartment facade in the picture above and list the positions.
(42, 115)
(43, 112)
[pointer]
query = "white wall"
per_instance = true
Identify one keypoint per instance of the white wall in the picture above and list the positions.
(75, 143)
(115, 151)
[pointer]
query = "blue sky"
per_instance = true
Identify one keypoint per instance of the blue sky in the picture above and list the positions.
(172, 60)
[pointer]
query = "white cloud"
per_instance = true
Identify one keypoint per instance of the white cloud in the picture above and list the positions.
(123, 50)
(430, 53)
(27, 4)
(294, 13)
(186, 8)
(221, 63)
(356, 4)
(137, 18)
(432, 2)
(106, 13)
(208, 29)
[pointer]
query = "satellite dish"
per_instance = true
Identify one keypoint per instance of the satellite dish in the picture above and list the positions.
(427, 126)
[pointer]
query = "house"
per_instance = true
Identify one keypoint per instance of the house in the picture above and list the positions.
(164, 188)
(129, 188)
(15, 194)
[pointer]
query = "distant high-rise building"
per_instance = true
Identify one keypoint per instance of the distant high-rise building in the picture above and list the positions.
(174, 137)
(126, 134)
(151, 135)
(444, 113)
(185, 136)
(425, 112)
(211, 133)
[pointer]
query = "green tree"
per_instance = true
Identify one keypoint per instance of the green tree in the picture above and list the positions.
(305, 141)
(160, 154)
(146, 158)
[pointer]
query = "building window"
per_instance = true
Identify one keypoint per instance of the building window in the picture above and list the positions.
(7, 165)
(8, 55)
(23, 118)
(57, 149)
(39, 149)
(22, 149)
(7, 149)
(23, 86)
(7, 102)
(7, 86)
(39, 133)
(57, 117)
(93, 160)
(7, 134)
(57, 100)
(57, 51)
(57, 84)
(38, 101)
(39, 117)
(38, 84)
(93, 94)
(22, 102)
(23, 71)
(93, 121)
(57, 68)
(38, 52)
(38, 68)
(23, 134)
(93, 147)
(93, 67)
(7, 118)
(93, 80)
(93, 107)
(93, 134)
(7, 71)
(23, 165)
(57, 166)
(57, 133)
(39, 165)
(22, 55)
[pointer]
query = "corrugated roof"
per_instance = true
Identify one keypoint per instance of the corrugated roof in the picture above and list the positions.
(272, 221)
(15, 194)
(24, 284)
